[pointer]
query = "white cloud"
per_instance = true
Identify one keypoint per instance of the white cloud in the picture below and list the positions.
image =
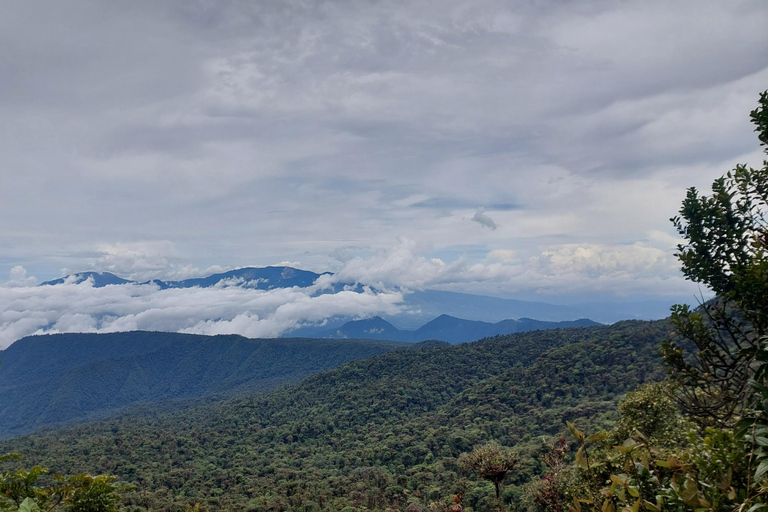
(18, 277)
(637, 259)
(244, 133)
(82, 308)
(503, 255)
(387, 274)
(145, 260)
(484, 220)
(608, 270)
(136, 259)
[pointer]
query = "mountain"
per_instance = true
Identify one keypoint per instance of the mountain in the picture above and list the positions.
(374, 434)
(445, 328)
(420, 306)
(417, 308)
(433, 303)
(375, 328)
(263, 278)
(46, 380)
(100, 279)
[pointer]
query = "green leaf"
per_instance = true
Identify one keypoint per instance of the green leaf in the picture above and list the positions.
(762, 468)
(690, 491)
(578, 434)
(618, 480)
(595, 437)
(651, 506)
(580, 460)
(28, 505)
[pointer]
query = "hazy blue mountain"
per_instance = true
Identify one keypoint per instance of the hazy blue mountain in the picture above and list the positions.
(458, 330)
(424, 305)
(419, 307)
(45, 380)
(444, 328)
(433, 303)
(454, 330)
(100, 279)
(375, 328)
(262, 278)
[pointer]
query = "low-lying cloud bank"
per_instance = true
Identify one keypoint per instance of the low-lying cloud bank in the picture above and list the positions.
(387, 276)
(81, 307)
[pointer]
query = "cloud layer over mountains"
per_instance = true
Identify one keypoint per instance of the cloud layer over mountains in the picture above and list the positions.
(227, 309)
(388, 276)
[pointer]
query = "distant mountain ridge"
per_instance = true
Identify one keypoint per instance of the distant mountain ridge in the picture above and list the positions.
(261, 278)
(444, 328)
(419, 306)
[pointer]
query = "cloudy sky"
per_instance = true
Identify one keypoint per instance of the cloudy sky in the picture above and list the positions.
(532, 149)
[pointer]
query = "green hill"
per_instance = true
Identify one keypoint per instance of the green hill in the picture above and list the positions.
(375, 433)
(48, 380)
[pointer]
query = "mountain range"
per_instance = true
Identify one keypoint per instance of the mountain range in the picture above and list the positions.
(444, 328)
(419, 307)
(263, 278)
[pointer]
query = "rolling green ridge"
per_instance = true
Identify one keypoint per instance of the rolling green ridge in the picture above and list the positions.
(374, 433)
(46, 380)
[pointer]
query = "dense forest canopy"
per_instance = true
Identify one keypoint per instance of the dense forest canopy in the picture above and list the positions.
(375, 433)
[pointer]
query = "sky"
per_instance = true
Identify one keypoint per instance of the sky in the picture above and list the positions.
(531, 149)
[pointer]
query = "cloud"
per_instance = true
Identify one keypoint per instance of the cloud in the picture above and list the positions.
(637, 259)
(18, 277)
(503, 255)
(80, 307)
(387, 276)
(640, 268)
(145, 260)
(242, 133)
(136, 259)
(484, 220)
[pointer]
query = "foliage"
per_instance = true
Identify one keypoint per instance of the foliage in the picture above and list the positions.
(650, 410)
(718, 365)
(710, 473)
(686, 472)
(490, 462)
(726, 237)
(26, 491)
(733, 348)
(383, 432)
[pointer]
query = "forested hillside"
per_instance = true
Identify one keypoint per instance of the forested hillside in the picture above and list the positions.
(45, 380)
(375, 433)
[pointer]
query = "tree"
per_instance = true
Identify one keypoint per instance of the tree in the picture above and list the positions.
(22, 490)
(713, 352)
(490, 462)
(718, 362)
